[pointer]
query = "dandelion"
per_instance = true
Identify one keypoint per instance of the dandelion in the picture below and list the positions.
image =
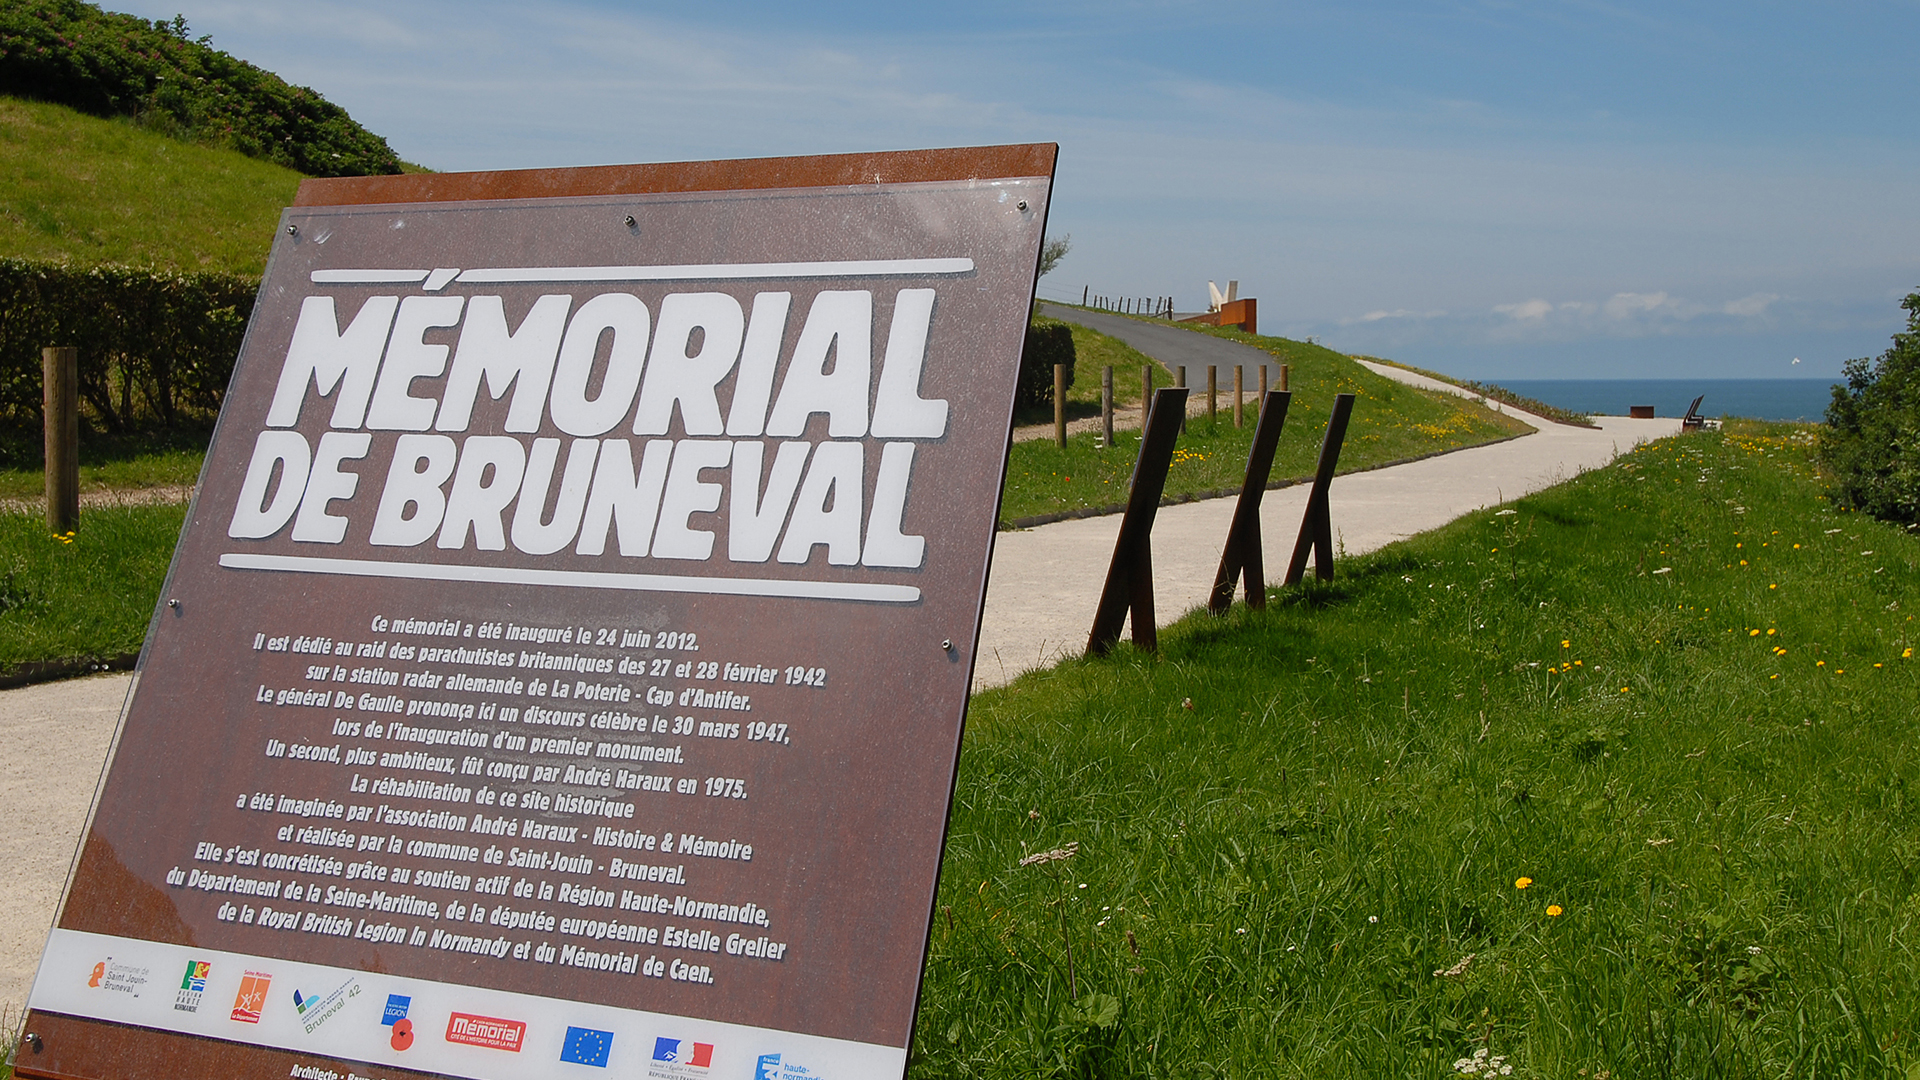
(1623, 689)
(1771, 631)
(1773, 586)
(1565, 644)
(1522, 882)
(1553, 910)
(1908, 654)
(1753, 633)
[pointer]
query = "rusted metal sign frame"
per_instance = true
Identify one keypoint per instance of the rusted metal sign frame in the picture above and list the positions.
(116, 905)
(1242, 557)
(1316, 525)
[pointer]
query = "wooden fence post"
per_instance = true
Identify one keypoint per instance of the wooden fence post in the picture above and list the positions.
(1239, 376)
(1213, 393)
(1129, 584)
(1106, 406)
(1316, 527)
(1242, 556)
(60, 405)
(1146, 396)
(1060, 405)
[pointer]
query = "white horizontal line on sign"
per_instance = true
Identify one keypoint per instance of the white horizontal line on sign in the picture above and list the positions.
(579, 579)
(514, 275)
(718, 271)
(367, 277)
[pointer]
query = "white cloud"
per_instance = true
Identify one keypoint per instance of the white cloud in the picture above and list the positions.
(1628, 304)
(1755, 304)
(1398, 313)
(1531, 310)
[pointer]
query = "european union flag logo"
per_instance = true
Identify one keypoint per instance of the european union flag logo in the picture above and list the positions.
(587, 1046)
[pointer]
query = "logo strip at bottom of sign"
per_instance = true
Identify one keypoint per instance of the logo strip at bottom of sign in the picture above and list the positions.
(345, 1014)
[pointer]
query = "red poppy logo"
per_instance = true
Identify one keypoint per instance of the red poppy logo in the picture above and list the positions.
(402, 1034)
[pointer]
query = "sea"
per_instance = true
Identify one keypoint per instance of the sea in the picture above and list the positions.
(1757, 399)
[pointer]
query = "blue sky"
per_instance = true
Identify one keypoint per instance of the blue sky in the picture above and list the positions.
(1493, 189)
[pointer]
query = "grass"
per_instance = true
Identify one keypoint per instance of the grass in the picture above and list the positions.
(1391, 421)
(1092, 351)
(89, 596)
(94, 191)
(143, 459)
(1674, 697)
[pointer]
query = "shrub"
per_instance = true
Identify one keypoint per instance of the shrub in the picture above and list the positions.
(1871, 448)
(109, 64)
(155, 346)
(1049, 342)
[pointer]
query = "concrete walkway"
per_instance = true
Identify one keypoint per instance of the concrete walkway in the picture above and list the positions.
(1040, 601)
(1046, 581)
(53, 741)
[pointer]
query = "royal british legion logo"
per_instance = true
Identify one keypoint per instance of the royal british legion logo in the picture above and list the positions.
(395, 1017)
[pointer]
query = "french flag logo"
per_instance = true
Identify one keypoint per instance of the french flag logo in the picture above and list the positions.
(699, 1055)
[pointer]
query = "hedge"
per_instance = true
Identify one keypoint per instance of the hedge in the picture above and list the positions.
(1871, 444)
(109, 64)
(1048, 343)
(155, 346)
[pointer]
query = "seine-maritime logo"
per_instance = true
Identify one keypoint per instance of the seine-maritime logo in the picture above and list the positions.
(251, 999)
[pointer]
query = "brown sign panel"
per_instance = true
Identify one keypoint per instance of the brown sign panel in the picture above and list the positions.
(563, 666)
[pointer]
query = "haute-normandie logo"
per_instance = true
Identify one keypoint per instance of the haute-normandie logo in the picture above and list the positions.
(193, 986)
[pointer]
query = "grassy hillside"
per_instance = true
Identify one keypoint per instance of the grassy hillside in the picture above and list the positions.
(159, 76)
(77, 187)
(1618, 780)
(1391, 422)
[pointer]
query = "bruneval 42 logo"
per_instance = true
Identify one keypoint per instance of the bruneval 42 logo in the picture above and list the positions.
(591, 385)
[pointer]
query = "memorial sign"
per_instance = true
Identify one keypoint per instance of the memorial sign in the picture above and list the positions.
(563, 665)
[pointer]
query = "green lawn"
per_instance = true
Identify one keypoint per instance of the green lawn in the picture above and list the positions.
(86, 597)
(1674, 697)
(1391, 422)
(163, 458)
(102, 191)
